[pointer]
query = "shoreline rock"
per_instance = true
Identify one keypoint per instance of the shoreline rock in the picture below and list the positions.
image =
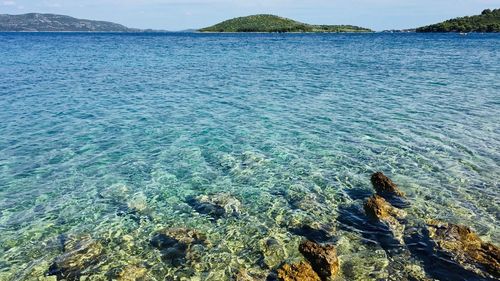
(377, 208)
(385, 186)
(465, 247)
(323, 259)
(302, 271)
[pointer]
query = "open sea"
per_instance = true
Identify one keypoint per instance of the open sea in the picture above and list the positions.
(109, 139)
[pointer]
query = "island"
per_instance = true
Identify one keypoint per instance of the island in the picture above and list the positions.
(272, 23)
(487, 21)
(53, 23)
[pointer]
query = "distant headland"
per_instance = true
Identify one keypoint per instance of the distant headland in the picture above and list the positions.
(487, 21)
(57, 23)
(272, 23)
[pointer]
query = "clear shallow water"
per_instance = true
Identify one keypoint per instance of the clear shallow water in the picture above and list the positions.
(94, 125)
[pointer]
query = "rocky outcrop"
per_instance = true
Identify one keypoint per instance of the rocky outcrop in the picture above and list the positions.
(178, 244)
(323, 259)
(465, 247)
(297, 272)
(216, 206)
(384, 186)
(79, 255)
(377, 208)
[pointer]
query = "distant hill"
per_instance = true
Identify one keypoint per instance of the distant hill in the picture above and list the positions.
(51, 22)
(271, 23)
(487, 21)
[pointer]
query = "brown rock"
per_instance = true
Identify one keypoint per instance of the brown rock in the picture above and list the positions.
(465, 246)
(323, 259)
(378, 209)
(297, 272)
(385, 186)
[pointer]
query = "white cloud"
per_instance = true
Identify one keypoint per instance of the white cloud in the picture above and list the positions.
(8, 3)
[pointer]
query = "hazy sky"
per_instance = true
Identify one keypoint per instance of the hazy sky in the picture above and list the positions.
(183, 14)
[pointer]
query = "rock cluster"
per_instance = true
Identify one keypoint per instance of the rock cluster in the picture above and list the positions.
(465, 246)
(377, 208)
(457, 242)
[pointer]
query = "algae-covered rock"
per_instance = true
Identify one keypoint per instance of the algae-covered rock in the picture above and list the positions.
(297, 272)
(385, 186)
(177, 244)
(323, 258)
(128, 273)
(216, 206)
(465, 247)
(250, 275)
(138, 203)
(80, 254)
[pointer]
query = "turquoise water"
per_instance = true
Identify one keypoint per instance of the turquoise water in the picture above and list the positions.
(110, 135)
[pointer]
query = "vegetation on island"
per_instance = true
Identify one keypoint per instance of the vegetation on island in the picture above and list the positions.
(271, 23)
(487, 21)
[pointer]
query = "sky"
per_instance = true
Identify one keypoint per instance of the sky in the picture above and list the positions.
(186, 14)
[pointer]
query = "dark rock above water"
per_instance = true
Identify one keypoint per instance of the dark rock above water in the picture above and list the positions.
(323, 259)
(465, 247)
(297, 272)
(385, 186)
(377, 208)
(51, 22)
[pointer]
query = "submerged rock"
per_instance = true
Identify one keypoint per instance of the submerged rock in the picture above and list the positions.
(273, 252)
(385, 186)
(248, 275)
(465, 247)
(297, 272)
(314, 232)
(323, 259)
(177, 244)
(138, 203)
(79, 255)
(216, 206)
(128, 273)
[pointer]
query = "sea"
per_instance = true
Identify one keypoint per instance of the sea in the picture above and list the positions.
(237, 147)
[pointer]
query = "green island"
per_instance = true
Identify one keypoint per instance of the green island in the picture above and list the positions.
(487, 21)
(271, 23)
